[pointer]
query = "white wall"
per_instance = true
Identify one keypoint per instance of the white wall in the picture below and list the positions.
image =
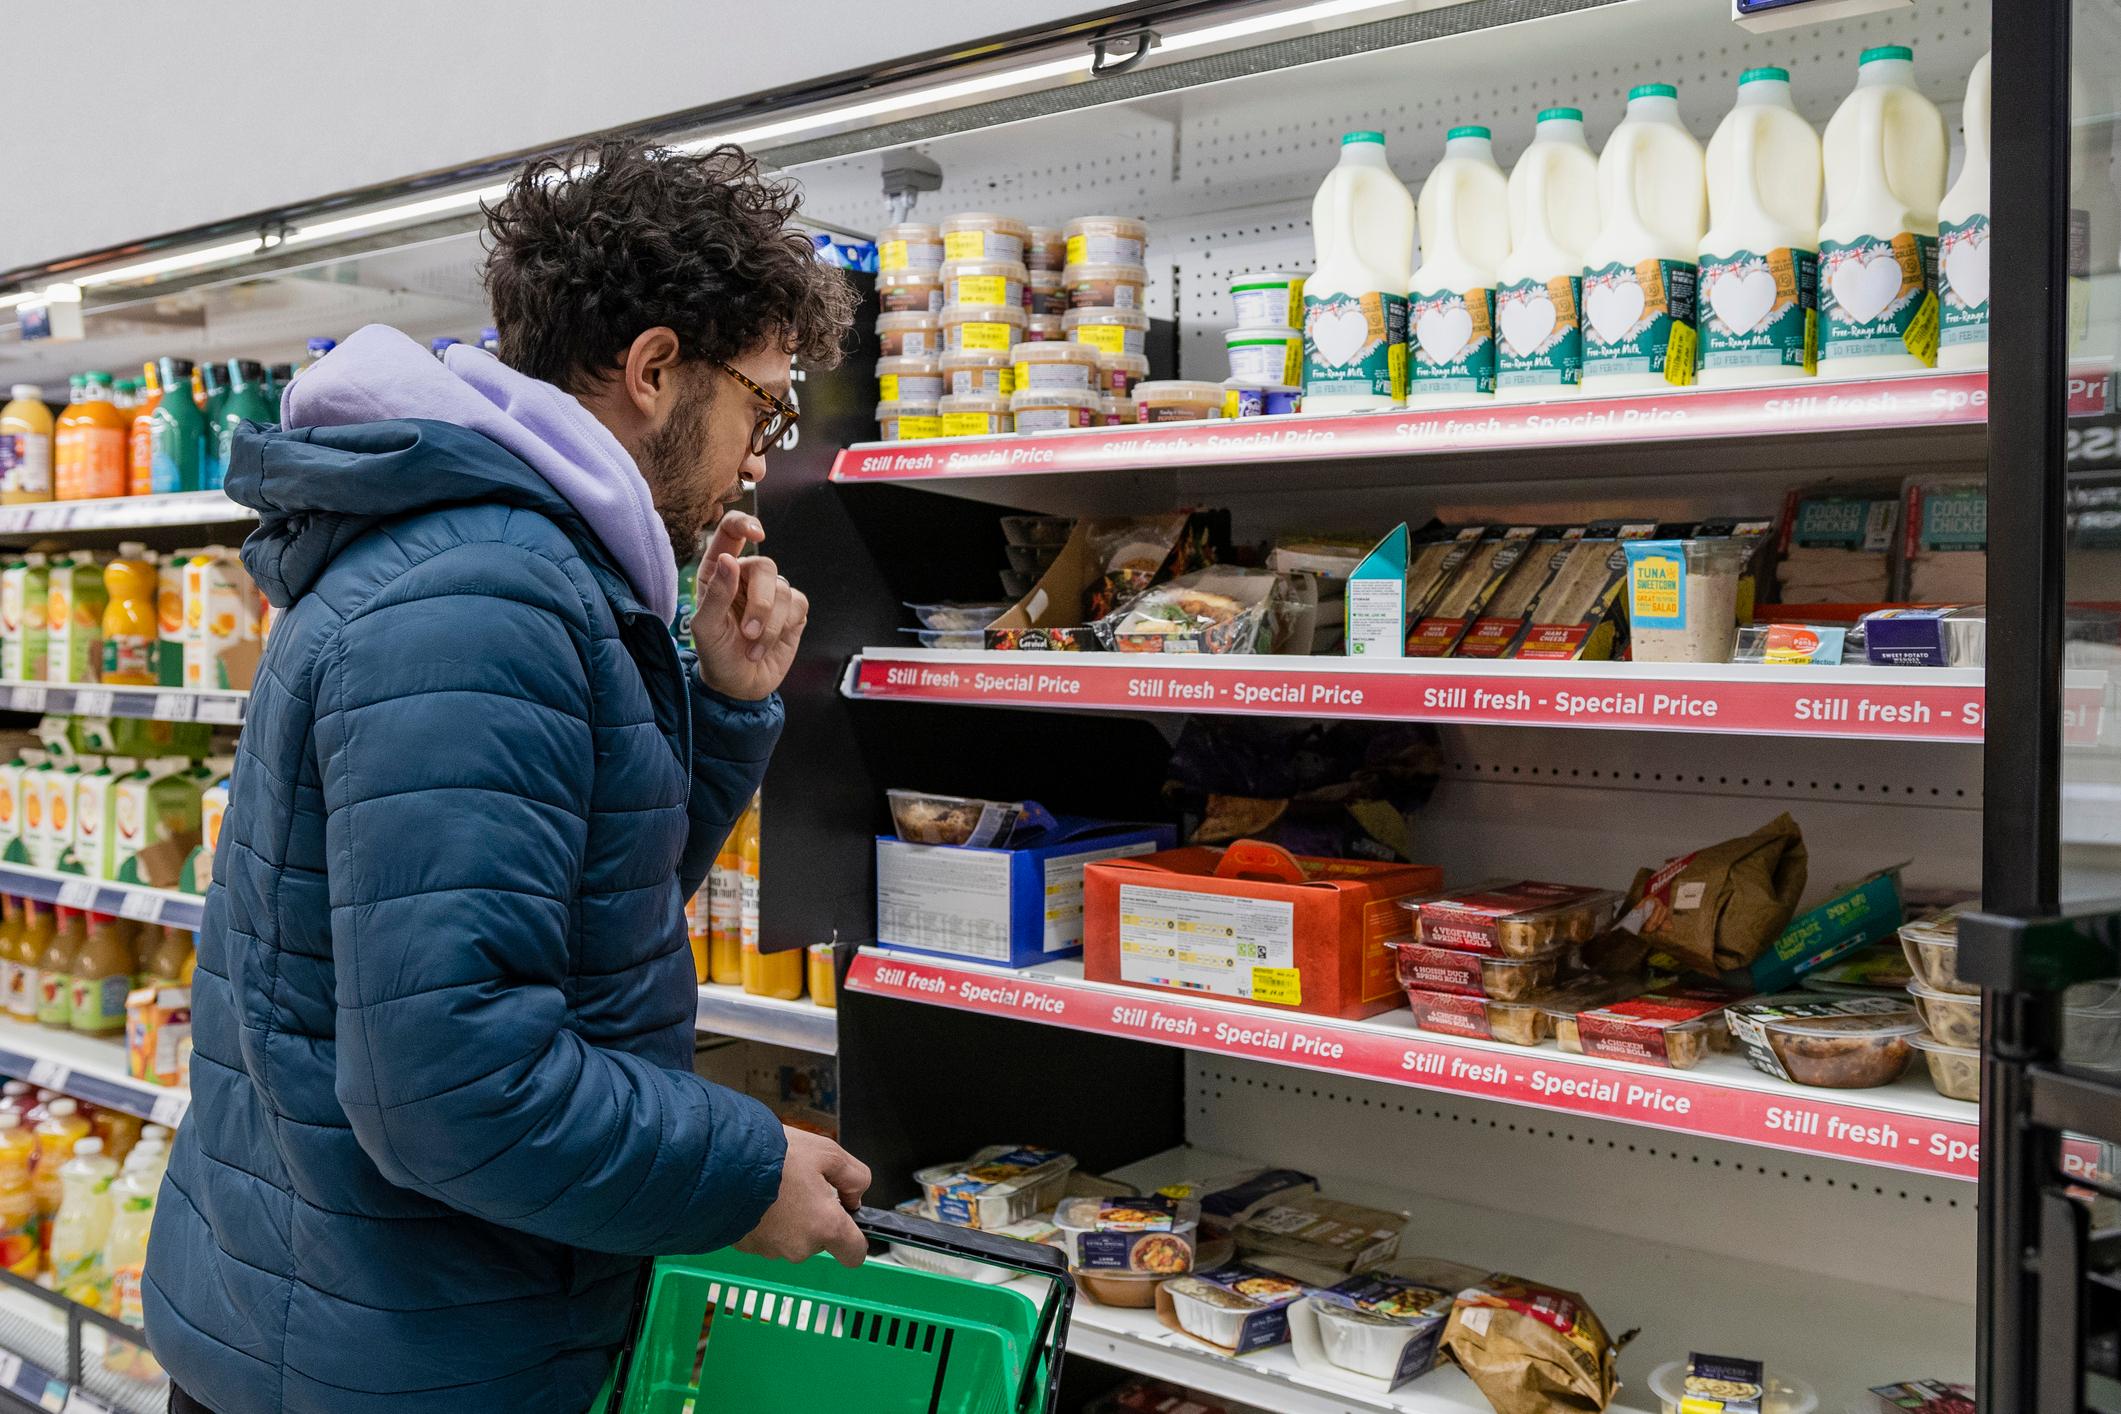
(265, 102)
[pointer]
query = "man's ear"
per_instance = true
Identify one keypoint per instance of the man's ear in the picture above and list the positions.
(649, 380)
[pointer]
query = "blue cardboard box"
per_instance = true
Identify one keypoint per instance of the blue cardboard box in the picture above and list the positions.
(1009, 907)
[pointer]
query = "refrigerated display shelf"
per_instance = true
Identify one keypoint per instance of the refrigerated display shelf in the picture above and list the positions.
(90, 1068)
(1907, 1125)
(161, 704)
(801, 1024)
(125, 513)
(135, 901)
(33, 1362)
(1822, 406)
(1881, 704)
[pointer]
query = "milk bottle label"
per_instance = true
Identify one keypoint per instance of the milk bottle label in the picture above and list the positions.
(1356, 345)
(1875, 297)
(1962, 280)
(1451, 336)
(1640, 319)
(1760, 311)
(1538, 333)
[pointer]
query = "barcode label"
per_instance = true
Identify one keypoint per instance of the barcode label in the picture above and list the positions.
(143, 906)
(93, 702)
(220, 709)
(77, 893)
(48, 1074)
(169, 1109)
(26, 699)
(172, 707)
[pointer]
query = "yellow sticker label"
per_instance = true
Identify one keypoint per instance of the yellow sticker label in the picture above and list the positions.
(1922, 330)
(887, 387)
(1292, 363)
(911, 427)
(985, 336)
(1230, 402)
(1679, 353)
(968, 424)
(964, 245)
(1106, 338)
(1396, 370)
(1811, 341)
(1078, 249)
(984, 289)
(891, 255)
(1278, 986)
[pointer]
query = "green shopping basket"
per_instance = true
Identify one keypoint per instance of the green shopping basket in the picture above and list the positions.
(743, 1335)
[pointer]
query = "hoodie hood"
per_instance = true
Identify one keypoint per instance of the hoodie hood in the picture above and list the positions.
(380, 376)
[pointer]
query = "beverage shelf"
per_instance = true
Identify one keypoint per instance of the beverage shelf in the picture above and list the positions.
(125, 513)
(1815, 407)
(801, 1024)
(162, 704)
(90, 1068)
(1907, 1125)
(33, 1362)
(1885, 704)
(135, 901)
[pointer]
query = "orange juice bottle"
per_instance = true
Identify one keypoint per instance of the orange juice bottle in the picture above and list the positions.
(62, 1127)
(725, 910)
(66, 441)
(55, 972)
(140, 450)
(778, 974)
(102, 443)
(25, 446)
(130, 627)
(824, 982)
(18, 1204)
(697, 933)
(25, 979)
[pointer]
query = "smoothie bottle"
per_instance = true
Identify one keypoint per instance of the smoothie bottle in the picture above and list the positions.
(38, 926)
(1962, 241)
(18, 1204)
(212, 469)
(247, 401)
(55, 973)
(778, 974)
(82, 1225)
(725, 913)
(66, 441)
(125, 1254)
(25, 446)
(1539, 289)
(1886, 151)
(10, 940)
(102, 975)
(130, 628)
(177, 433)
(1760, 257)
(1639, 331)
(1465, 237)
(165, 962)
(61, 1127)
(140, 446)
(102, 443)
(1355, 304)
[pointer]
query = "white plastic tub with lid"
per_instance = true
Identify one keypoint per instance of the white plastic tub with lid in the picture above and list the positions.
(909, 245)
(983, 282)
(1055, 365)
(984, 235)
(1265, 357)
(1271, 299)
(1116, 240)
(1108, 330)
(993, 326)
(1784, 1395)
(1055, 409)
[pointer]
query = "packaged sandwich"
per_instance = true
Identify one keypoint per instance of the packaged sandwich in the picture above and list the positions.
(1467, 589)
(1837, 549)
(1944, 552)
(1573, 615)
(1718, 908)
(1437, 557)
(1509, 608)
(1217, 610)
(1532, 1349)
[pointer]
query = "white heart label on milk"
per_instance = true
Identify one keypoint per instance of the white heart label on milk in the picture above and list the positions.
(1614, 308)
(1742, 299)
(1966, 268)
(1340, 335)
(1444, 332)
(1527, 323)
(1866, 286)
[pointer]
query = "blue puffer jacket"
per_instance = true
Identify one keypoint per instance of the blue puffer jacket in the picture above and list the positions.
(443, 1102)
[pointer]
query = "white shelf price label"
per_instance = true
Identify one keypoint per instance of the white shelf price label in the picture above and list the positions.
(145, 907)
(26, 699)
(172, 707)
(49, 1074)
(77, 893)
(220, 709)
(169, 1108)
(93, 702)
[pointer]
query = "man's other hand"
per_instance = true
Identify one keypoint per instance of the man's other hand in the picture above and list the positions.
(748, 620)
(821, 1185)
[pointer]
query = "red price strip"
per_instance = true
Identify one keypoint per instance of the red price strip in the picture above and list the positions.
(1805, 1122)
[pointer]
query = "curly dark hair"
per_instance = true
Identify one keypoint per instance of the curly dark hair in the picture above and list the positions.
(592, 246)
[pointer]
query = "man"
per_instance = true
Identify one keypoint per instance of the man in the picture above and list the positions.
(442, 1098)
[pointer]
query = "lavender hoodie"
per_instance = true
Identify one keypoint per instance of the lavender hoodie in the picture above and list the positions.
(379, 374)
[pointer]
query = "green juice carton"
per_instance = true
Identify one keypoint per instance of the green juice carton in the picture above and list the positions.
(157, 822)
(95, 804)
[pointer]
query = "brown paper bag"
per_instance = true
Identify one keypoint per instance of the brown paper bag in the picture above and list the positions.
(1719, 908)
(1532, 1349)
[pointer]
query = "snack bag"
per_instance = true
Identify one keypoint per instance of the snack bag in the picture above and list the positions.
(1718, 908)
(1532, 1349)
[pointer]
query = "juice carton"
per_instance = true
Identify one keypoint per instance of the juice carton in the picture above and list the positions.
(73, 619)
(23, 587)
(57, 781)
(95, 816)
(213, 811)
(169, 618)
(12, 772)
(21, 778)
(220, 622)
(157, 822)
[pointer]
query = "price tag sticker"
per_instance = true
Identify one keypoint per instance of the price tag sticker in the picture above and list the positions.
(93, 702)
(26, 699)
(168, 1109)
(172, 707)
(145, 907)
(77, 893)
(49, 1074)
(220, 709)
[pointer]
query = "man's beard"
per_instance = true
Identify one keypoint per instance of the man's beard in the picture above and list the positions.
(669, 462)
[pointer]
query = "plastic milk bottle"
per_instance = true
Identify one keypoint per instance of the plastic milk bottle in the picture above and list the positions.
(1886, 151)
(1355, 304)
(1539, 289)
(1760, 259)
(1639, 274)
(1465, 234)
(1962, 241)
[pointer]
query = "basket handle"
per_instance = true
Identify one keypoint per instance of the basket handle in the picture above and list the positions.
(1034, 1258)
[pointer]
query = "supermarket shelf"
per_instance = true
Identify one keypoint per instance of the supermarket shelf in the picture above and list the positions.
(1923, 401)
(33, 1341)
(136, 901)
(1906, 1126)
(125, 513)
(732, 1011)
(1883, 704)
(90, 1068)
(162, 704)
(1781, 1309)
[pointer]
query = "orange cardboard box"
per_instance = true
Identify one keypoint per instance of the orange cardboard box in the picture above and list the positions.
(1252, 923)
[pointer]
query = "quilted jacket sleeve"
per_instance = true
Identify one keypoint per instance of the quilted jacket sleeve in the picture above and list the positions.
(456, 787)
(731, 741)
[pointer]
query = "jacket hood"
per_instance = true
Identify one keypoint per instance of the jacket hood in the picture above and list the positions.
(379, 427)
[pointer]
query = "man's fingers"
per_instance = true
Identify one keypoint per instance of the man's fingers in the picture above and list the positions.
(845, 1242)
(850, 1176)
(736, 530)
(763, 587)
(714, 590)
(784, 625)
